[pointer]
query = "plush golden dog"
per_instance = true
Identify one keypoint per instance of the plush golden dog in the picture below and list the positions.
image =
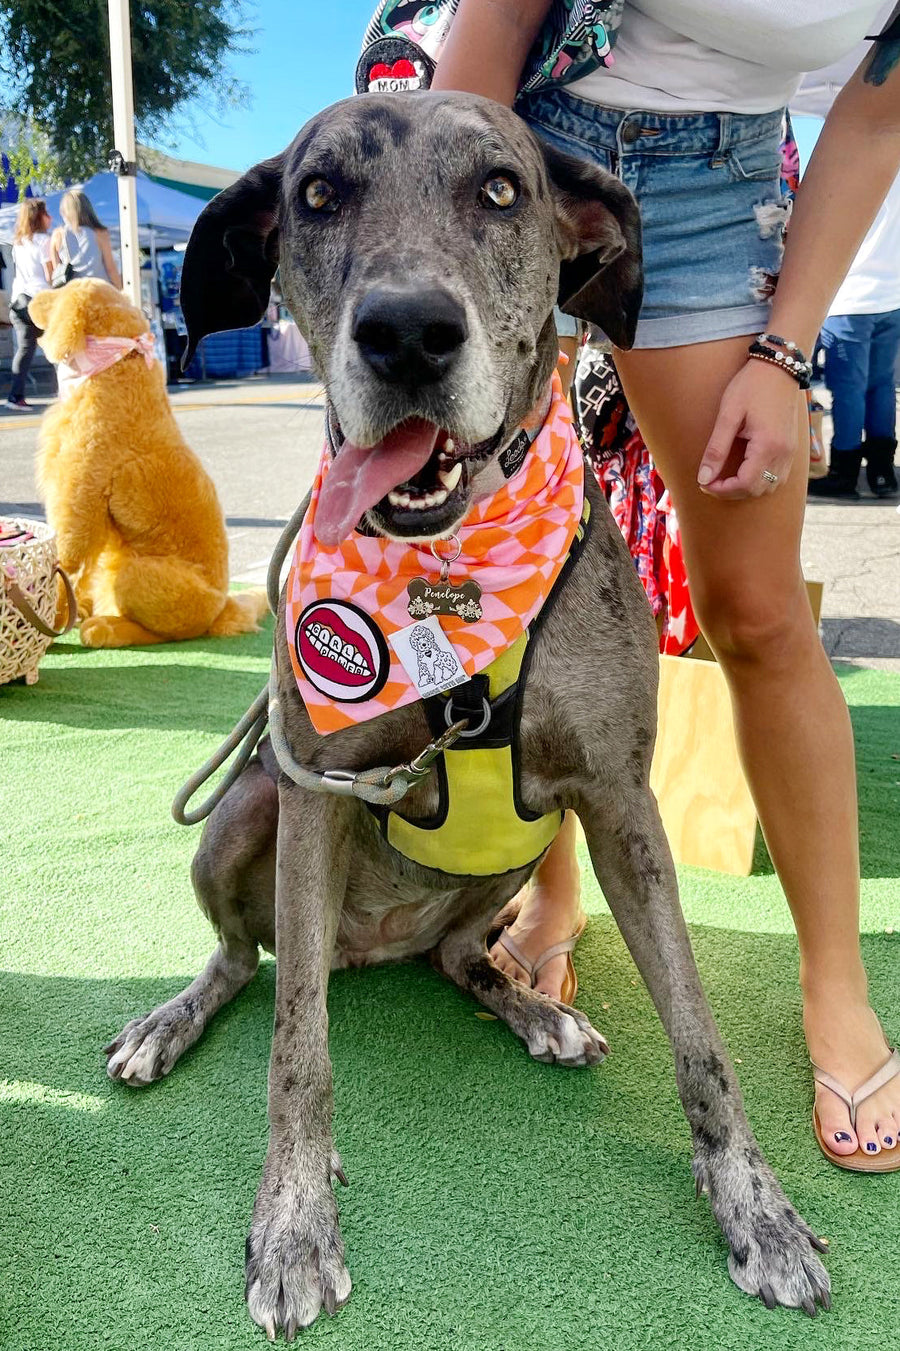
(138, 523)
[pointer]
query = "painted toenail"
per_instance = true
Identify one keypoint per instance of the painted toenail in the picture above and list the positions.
(871, 1147)
(889, 1139)
(842, 1135)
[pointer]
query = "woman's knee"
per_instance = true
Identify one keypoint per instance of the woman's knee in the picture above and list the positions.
(746, 624)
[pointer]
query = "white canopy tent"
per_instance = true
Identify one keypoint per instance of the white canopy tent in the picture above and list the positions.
(165, 216)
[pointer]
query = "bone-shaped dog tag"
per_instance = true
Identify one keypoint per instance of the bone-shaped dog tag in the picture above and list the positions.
(443, 598)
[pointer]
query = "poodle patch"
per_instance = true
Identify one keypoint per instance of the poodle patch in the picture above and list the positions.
(428, 657)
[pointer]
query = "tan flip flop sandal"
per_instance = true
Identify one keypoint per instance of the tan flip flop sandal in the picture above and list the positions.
(888, 1161)
(570, 984)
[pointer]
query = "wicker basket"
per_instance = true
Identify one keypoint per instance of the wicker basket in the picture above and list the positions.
(28, 591)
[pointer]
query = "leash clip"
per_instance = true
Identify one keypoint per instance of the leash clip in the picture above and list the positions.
(421, 764)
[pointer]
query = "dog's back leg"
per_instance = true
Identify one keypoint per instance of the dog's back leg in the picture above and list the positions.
(234, 879)
(241, 613)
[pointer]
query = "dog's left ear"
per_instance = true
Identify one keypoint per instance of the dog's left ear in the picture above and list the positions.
(232, 255)
(600, 275)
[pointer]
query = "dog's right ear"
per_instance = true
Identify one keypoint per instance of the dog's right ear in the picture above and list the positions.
(232, 255)
(600, 274)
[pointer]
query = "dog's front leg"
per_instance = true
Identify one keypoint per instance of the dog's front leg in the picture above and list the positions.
(771, 1246)
(295, 1254)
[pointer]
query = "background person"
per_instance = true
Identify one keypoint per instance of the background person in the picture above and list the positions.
(31, 261)
(861, 340)
(82, 241)
(690, 117)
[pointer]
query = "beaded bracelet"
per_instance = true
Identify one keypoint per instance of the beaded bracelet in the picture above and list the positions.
(789, 346)
(801, 371)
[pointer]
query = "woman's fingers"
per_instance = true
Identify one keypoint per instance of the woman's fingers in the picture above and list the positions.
(718, 447)
(765, 467)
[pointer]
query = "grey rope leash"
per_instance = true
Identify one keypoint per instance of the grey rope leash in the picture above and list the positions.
(383, 786)
(249, 730)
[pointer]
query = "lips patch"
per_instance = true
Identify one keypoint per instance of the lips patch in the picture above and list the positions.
(342, 651)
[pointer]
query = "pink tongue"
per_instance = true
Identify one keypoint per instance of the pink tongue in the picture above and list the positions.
(360, 476)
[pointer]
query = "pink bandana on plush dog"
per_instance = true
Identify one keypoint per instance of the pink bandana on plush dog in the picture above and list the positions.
(98, 355)
(363, 635)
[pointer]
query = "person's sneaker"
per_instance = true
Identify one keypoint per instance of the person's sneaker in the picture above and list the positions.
(18, 405)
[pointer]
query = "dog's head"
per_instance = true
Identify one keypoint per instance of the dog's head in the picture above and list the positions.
(422, 241)
(421, 639)
(85, 307)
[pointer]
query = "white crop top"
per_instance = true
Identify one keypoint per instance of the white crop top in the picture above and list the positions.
(739, 56)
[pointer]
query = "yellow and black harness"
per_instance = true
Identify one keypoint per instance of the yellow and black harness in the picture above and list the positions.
(481, 827)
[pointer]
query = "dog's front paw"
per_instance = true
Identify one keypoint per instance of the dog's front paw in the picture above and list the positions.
(772, 1248)
(295, 1257)
(147, 1048)
(557, 1034)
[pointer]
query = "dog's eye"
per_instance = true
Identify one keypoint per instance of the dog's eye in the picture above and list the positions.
(321, 196)
(498, 191)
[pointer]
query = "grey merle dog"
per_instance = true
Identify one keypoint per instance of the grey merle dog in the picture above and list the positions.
(422, 240)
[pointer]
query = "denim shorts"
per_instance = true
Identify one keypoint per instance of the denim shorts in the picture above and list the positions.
(709, 189)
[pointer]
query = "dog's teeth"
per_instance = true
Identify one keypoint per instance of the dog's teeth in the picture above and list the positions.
(438, 498)
(450, 477)
(395, 499)
(449, 445)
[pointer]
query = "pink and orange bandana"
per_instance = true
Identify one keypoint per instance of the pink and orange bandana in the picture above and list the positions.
(346, 604)
(97, 355)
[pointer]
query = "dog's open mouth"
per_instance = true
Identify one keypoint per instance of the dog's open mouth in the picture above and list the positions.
(413, 483)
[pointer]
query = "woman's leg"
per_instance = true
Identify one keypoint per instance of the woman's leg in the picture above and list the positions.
(881, 405)
(881, 395)
(26, 343)
(743, 561)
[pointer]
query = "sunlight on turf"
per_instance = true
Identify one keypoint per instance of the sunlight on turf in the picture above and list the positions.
(21, 1090)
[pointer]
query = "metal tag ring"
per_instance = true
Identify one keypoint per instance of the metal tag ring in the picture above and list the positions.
(451, 540)
(472, 731)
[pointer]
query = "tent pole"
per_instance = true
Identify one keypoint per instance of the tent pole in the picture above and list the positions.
(123, 132)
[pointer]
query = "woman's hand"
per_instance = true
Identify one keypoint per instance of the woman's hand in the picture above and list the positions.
(755, 431)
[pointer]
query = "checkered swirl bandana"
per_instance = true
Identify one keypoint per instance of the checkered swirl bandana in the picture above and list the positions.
(344, 602)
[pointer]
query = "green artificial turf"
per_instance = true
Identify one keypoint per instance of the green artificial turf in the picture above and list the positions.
(495, 1204)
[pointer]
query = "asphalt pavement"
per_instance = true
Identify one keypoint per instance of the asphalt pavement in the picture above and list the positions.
(260, 438)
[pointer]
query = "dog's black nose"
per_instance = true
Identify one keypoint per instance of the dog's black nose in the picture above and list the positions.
(409, 337)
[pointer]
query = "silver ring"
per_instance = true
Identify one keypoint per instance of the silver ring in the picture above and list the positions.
(769, 476)
(472, 731)
(456, 547)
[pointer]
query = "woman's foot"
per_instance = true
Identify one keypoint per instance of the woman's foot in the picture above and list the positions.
(845, 1039)
(551, 912)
